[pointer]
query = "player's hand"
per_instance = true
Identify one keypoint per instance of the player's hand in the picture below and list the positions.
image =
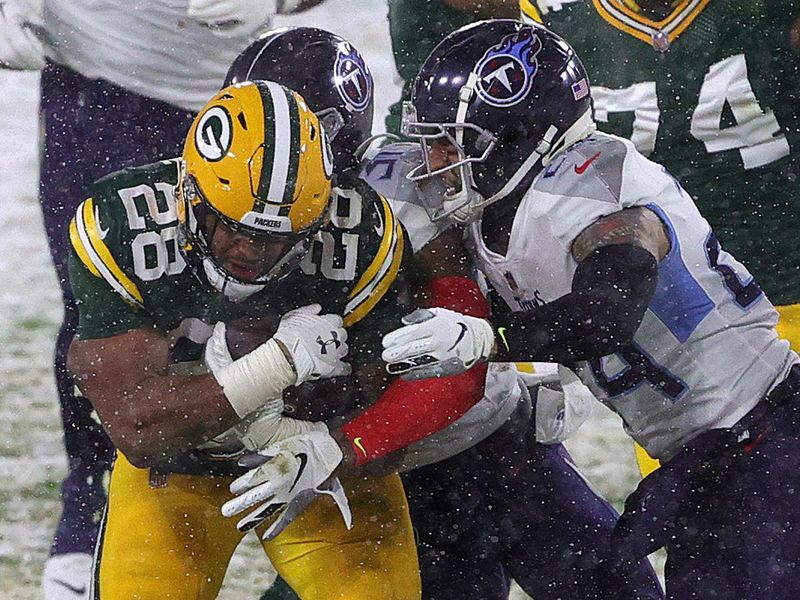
(437, 342)
(233, 18)
(562, 404)
(317, 343)
(284, 479)
(20, 23)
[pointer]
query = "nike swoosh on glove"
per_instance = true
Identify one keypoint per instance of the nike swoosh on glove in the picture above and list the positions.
(286, 477)
(437, 342)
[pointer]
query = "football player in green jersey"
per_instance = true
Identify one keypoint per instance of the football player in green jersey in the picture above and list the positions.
(416, 26)
(243, 228)
(709, 90)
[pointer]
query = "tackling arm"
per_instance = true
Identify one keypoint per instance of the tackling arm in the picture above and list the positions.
(150, 413)
(612, 286)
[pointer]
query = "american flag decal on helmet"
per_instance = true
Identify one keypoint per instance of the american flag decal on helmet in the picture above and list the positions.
(580, 89)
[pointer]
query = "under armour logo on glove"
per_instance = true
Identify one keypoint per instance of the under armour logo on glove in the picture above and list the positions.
(325, 343)
(317, 343)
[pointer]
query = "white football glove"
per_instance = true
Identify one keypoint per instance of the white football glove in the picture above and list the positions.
(316, 343)
(237, 18)
(437, 342)
(562, 406)
(20, 29)
(286, 477)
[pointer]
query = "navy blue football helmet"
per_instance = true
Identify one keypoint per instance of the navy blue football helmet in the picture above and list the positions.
(330, 74)
(495, 101)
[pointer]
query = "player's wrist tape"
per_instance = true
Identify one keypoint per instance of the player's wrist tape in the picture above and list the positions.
(256, 378)
(265, 431)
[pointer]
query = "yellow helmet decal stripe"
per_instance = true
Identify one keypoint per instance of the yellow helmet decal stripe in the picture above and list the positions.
(529, 12)
(90, 243)
(382, 272)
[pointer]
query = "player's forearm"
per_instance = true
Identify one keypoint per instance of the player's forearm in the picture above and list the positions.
(612, 288)
(166, 415)
(408, 411)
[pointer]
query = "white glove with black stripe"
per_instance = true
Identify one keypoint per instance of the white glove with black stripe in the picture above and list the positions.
(437, 342)
(284, 479)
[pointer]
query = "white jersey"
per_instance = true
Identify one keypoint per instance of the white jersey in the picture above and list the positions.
(505, 389)
(150, 47)
(706, 351)
(386, 172)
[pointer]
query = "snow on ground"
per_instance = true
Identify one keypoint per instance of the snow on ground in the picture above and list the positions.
(31, 454)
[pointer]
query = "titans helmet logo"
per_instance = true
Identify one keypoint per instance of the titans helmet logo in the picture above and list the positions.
(352, 78)
(506, 71)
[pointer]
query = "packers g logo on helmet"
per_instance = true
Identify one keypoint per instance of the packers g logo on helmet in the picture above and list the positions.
(256, 155)
(258, 160)
(212, 137)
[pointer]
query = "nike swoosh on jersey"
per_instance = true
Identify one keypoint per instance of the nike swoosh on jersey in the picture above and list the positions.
(303, 458)
(379, 227)
(579, 169)
(100, 231)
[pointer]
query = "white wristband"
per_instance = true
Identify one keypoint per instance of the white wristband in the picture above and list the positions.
(256, 378)
(265, 431)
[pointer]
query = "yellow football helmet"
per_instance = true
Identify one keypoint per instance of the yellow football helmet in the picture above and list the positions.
(256, 167)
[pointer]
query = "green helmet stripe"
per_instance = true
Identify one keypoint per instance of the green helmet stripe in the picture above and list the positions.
(282, 145)
(294, 156)
(269, 149)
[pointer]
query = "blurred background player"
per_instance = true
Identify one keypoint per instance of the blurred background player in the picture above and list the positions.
(120, 85)
(416, 26)
(709, 90)
(509, 506)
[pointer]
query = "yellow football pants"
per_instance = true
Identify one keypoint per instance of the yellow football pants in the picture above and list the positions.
(173, 543)
(788, 328)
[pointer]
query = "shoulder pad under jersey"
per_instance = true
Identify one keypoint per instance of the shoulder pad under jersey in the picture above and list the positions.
(592, 169)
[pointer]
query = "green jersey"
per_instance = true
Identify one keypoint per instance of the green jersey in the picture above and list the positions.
(416, 26)
(710, 92)
(127, 271)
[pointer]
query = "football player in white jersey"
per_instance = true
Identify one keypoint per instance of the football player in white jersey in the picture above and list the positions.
(605, 264)
(509, 478)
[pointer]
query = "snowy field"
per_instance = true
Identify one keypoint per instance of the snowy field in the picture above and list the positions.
(31, 454)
